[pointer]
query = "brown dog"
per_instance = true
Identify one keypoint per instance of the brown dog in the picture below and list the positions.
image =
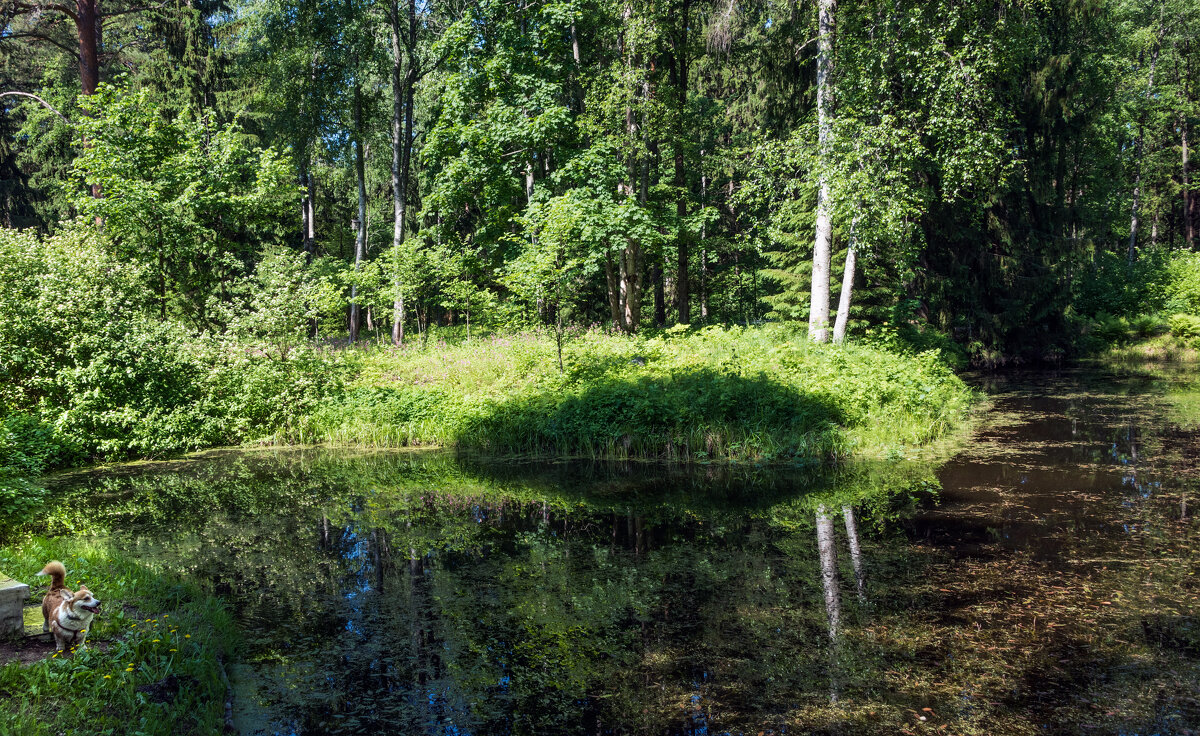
(68, 615)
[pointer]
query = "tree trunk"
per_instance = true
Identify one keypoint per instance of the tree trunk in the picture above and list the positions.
(1137, 154)
(87, 25)
(304, 209)
(818, 310)
(660, 300)
(308, 213)
(843, 311)
(614, 292)
(360, 239)
(402, 104)
(682, 279)
(1189, 222)
(703, 246)
(1137, 190)
(631, 286)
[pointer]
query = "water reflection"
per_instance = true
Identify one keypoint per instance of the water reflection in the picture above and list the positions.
(1041, 581)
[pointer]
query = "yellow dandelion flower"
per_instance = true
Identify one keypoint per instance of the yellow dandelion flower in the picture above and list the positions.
(156, 641)
(108, 677)
(174, 650)
(187, 636)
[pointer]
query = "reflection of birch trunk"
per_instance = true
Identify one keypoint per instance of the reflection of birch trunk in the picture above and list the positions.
(827, 550)
(855, 552)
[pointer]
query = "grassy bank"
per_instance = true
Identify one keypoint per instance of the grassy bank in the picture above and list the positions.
(1155, 349)
(152, 662)
(757, 394)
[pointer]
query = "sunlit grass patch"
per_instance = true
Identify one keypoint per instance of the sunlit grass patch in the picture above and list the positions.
(743, 395)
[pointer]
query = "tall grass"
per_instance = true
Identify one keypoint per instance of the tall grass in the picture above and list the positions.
(758, 394)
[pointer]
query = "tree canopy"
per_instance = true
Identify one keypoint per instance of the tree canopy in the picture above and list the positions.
(634, 164)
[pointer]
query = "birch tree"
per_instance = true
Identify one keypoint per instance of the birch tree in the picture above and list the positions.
(818, 315)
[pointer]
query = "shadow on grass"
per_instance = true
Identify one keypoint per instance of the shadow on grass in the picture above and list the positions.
(702, 414)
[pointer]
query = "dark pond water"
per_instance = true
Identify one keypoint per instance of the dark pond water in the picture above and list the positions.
(1041, 581)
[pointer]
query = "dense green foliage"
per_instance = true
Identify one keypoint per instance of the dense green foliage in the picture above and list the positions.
(90, 372)
(82, 354)
(632, 164)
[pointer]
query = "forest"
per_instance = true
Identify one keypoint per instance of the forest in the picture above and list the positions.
(998, 174)
(502, 366)
(619, 229)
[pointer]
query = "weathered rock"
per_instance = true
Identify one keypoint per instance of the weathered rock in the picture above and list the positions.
(12, 604)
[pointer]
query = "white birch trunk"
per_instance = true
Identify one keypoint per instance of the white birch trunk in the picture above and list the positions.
(818, 314)
(843, 311)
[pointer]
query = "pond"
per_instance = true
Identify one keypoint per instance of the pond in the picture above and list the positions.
(1041, 581)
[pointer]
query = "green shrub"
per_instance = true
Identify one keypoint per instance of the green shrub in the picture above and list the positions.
(1110, 330)
(1185, 328)
(1147, 325)
(1114, 286)
(1183, 288)
(28, 447)
(81, 353)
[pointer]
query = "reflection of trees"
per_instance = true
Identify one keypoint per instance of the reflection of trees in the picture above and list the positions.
(855, 552)
(827, 551)
(410, 593)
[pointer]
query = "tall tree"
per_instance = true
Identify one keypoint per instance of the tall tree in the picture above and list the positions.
(818, 314)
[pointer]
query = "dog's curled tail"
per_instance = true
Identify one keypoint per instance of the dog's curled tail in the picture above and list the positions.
(57, 574)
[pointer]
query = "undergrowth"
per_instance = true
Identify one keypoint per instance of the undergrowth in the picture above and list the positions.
(758, 394)
(152, 664)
